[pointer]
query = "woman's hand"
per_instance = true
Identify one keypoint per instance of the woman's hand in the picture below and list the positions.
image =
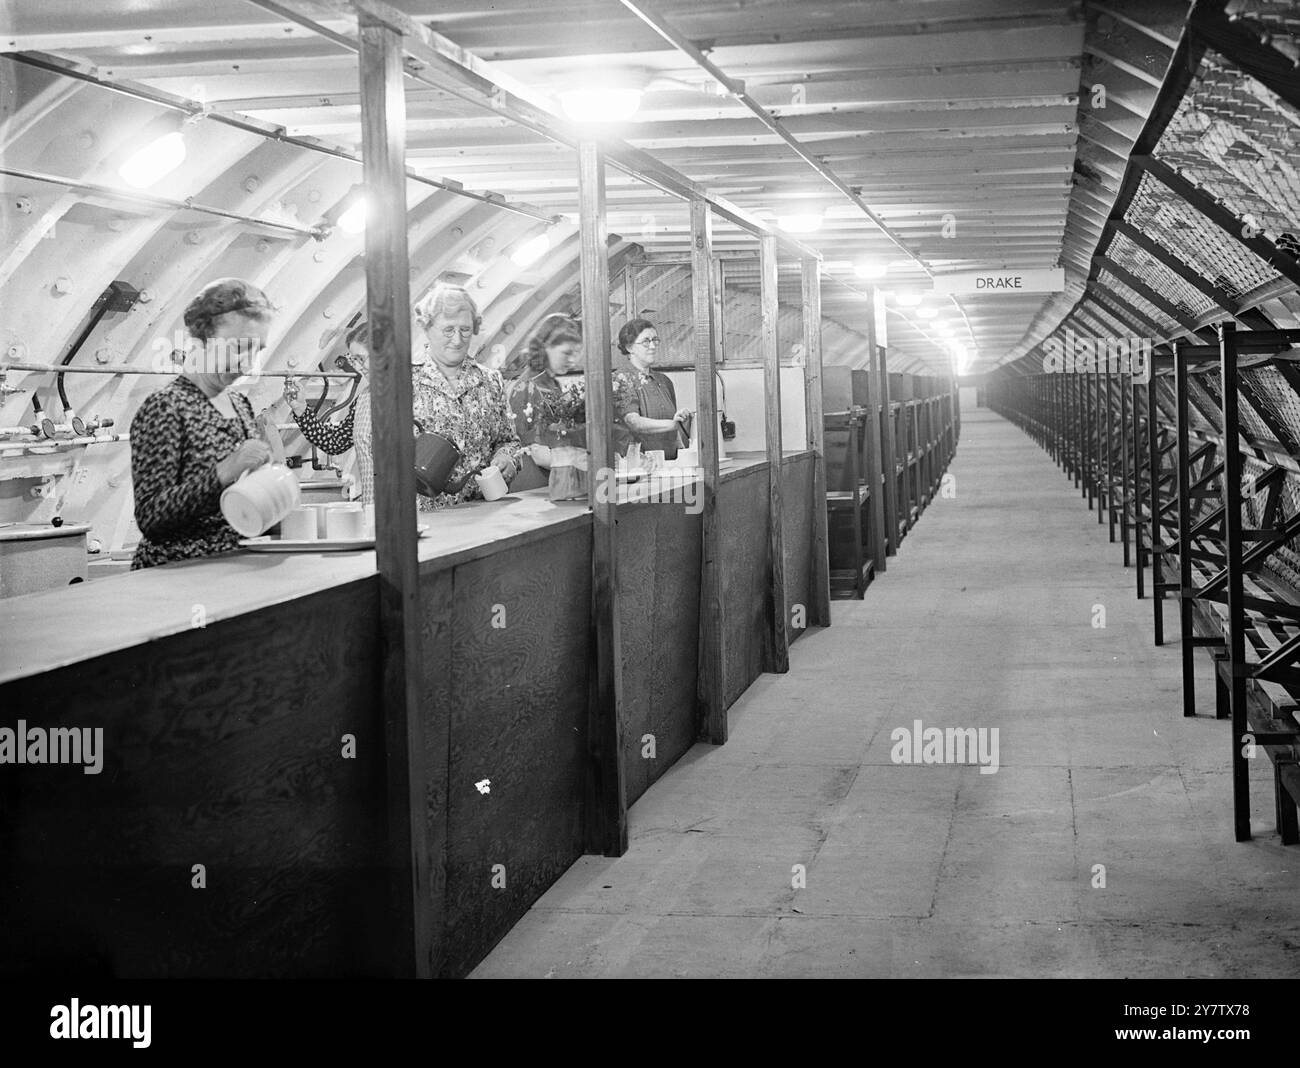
(250, 455)
(292, 389)
(506, 466)
(683, 414)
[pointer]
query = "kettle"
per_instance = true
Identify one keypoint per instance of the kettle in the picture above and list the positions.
(436, 457)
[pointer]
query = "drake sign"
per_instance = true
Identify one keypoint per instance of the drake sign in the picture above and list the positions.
(1050, 280)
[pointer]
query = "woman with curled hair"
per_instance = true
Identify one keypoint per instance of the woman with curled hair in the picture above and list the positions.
(554, 355)
(459, 398)
(195, 436)
(650, 411)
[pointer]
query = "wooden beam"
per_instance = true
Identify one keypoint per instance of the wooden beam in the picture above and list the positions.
(777, 647)
(652, 18)
(606, 809)
(441, 64)
(416, 846)
(819, 612)
(711, 711)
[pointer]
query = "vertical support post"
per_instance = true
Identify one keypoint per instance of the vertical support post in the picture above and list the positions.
(871, 432)
(1236, 606)
(890, 456)
(1139, 552)
(606, 809)
(819, 612)
(1125, 467)
(777, 646)
(1099, 465)
(1110, 451)
(711, 713)
(416, 842)
(1184, 475)
(1153, 473)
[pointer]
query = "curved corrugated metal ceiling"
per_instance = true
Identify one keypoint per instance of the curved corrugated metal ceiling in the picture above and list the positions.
(958, 122)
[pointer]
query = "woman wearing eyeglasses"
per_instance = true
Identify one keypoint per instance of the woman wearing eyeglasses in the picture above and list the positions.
(460, 398)
(656, 421)
(194, 437)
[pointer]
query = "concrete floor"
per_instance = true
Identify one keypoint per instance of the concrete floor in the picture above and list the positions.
(985, 619)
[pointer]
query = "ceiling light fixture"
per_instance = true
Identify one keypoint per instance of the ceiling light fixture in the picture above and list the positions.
(531, 251)
(907, 299)
(801, 223)
(600, 104)
(869, 271)
(154, 162)
(353, 221)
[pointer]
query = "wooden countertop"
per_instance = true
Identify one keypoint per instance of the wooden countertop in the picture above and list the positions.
(54, 628)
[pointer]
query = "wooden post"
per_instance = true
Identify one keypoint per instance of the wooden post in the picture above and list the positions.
(1233, 546)
(777, 646)
(606, 809)
(710, 710)
(874, 470)
(416, 845)
(819, 612)
(889, 457)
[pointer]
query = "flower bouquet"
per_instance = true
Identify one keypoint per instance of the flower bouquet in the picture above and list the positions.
(565, 415)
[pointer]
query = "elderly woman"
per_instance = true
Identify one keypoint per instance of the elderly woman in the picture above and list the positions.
(649, 405)
(461, 399)
(355, 429)
(194, 437)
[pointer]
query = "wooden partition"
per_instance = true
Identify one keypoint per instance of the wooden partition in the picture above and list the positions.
(255, 746)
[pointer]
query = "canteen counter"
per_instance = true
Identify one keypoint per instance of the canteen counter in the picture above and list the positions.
(243, 738)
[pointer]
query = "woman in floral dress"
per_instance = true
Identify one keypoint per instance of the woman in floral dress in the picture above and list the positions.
(461, 399)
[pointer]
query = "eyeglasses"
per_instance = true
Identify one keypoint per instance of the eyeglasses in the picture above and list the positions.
(647, 341)
(450, 332)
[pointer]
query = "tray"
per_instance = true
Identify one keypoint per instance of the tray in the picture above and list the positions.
(268, 544)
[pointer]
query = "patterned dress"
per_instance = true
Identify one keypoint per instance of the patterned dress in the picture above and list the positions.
(330, 439)
(471, 411)
(334, 440)
(177, 439)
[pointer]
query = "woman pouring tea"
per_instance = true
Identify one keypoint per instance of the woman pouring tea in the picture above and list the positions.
(195, 436)
(460, 399)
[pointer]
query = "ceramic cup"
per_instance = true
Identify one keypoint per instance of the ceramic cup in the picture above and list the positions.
(299, 525)
(345, 522)
(259, 499)
(492, 483)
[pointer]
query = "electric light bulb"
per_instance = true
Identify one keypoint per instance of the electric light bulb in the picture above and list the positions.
(531, 250)
(353, 221)
(154, 162)
(600, 104)
(806, 223)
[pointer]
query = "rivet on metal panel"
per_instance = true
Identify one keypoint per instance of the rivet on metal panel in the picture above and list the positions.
(63, 284)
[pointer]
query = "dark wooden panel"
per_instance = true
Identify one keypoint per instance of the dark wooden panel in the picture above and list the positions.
(659, 577)
(222, 748)
(797, 518)
(743, 508)
(518, 719)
